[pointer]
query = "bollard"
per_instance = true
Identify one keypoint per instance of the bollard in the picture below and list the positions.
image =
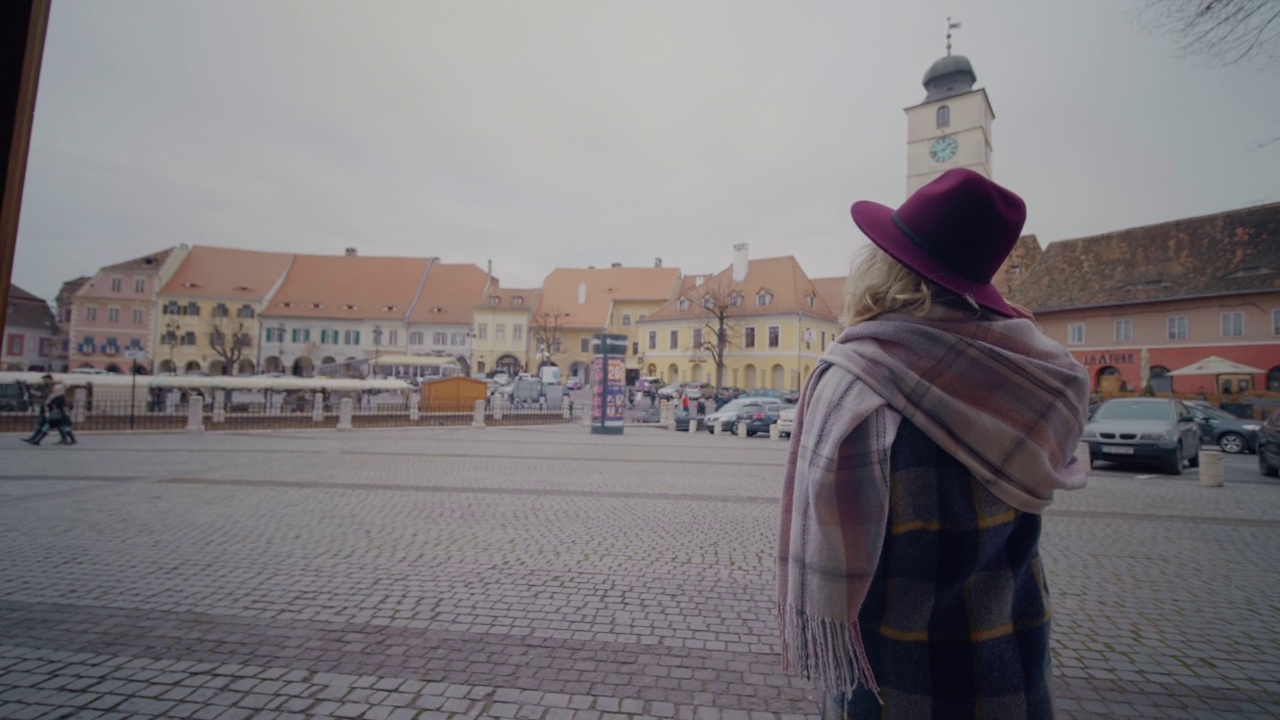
(317, 408)
(742, 429)
(477, 419)
(344, 414)
(718, 428)
(80, 406)
(497, 405)
(693, 424)
(415, 412)
(775, 432)
(195, 413)
(1082, 455)
(219, 406)
(566, 411)
(1211, 469)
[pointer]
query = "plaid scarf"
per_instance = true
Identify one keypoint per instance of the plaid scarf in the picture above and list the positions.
(998, 396)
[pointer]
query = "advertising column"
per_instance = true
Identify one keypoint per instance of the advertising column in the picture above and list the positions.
(608, 383)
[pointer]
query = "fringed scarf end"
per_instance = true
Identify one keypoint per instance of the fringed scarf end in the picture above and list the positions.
(828, 652)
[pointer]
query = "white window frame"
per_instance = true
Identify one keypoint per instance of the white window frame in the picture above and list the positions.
(139, 285)
(91, 313)
(683, 304)
(763, 298)
(1075, 333)
(482, 331)
(1124, 330)
(749, 337)
(138, 316)
(772, 333)
(439, 338)
(113, 314)
(1232, 317)
(674, 340)
(117, 284)
(1176, 327)
(696, 341)
(517, 332)
(626, 318)
(393, 337)
(653, 339)
(416, 337)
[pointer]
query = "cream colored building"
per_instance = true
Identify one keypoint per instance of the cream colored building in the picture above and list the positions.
(501, 329)
(952, 127)
(777, 326)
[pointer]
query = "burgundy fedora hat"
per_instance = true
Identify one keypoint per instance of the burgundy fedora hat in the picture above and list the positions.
(954, 232)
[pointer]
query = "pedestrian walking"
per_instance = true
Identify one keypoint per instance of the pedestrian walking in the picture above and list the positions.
(928, 440)
(684, 403)
(702, 407)
(53, 414)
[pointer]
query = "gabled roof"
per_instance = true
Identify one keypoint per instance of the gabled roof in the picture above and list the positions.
(348, 287)
(781, 277)
(146, 262)
(70, 287)
(603, 287)
(227, 273)
(28, 311)
(506, 299)
(450, 294)
(1227, 253)
(831, 290)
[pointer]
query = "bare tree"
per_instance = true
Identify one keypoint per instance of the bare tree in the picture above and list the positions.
(1222, 32)
(546, 334)
(229, 343)
(718, 330)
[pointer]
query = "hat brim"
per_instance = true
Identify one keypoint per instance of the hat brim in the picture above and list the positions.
(876, 222)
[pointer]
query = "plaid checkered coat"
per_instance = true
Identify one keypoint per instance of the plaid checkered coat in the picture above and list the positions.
(956, 620)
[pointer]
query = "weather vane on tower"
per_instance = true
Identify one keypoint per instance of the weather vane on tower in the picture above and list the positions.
(950, 26)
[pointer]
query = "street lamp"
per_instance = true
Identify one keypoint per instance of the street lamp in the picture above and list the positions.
(471, 345)
(280, 337)
(171, 336)
(377, 347)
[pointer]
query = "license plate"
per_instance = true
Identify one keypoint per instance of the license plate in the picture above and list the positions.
(1117, 449)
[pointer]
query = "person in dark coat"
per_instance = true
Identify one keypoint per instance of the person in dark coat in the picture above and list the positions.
(53, 414)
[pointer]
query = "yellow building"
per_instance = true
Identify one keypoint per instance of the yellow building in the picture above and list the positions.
(500, 329)
(775, 322)
(208, 310)
(577, 304)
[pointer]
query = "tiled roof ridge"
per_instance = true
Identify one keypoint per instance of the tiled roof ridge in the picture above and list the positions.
(17, 293)
(159, 257)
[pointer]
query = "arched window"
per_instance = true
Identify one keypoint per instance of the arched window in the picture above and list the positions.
(944, 116)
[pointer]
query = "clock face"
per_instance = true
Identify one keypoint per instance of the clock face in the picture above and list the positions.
(943, 149)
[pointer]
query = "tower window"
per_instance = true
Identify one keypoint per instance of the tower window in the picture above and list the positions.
(944, 117)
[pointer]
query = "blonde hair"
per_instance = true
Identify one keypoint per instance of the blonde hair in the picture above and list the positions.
(879, 284)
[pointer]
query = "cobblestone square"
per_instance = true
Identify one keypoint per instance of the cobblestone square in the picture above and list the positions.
(546, 574)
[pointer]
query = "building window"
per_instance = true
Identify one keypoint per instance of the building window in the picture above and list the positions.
(458, 339)
(683, 304)
(1075, 334)
(86, 346)
(697, 339)
(763, 298)
(301, 335)
(557, 345)
(735, 300)
(500, 333)
(15, 344)
(495, 301)
(774, 333)
(653, 339)
(440, 338)
(1275, 322)
(273, 335)
(1232, 324)
(245, 312)
(944, 117)
(482, 331)
(189, 338)
(635, 347)
(137, 316)
(139, 285)
(675, 339)
(708, 302)
(626, 318)
(1178, 327)
(46, 347)
(584, 345)
(517, 301)
(113, 315)
(351, 337)
(117, 284)
(220, 310)
(415, 338)
(1124, 330)
(91, 313)
(749, 337)
(517, 333)
(393, 337)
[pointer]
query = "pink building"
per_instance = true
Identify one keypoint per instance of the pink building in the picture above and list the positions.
(29, 333)
(114, 312)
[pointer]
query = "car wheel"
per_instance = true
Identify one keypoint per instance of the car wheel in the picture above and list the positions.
(1232, 443)
(751, 433)
(1264, 467)
(1194, 460)
(1174, 465)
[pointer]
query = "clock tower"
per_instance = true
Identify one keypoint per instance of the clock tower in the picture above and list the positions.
(952, 127)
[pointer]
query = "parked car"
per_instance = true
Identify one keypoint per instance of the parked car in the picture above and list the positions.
(90, 371)
(654, 415)
(1269, 446)
(1156, 430)
(14, 397)
(729, 413)
(783, 395)
(1221, 428)
(670, 391)
(787, 421)
(760, 418)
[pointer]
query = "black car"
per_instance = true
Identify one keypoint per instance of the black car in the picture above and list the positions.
(1221, 428)
(682, 418)
(1269, 446)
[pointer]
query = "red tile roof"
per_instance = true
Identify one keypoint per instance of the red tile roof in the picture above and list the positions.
(604, 286)
(221, 273)
(450, 294)
(507, 299)
(781, 277)
(353, 287)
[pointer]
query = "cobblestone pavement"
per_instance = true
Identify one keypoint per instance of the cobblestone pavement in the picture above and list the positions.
(544, 573)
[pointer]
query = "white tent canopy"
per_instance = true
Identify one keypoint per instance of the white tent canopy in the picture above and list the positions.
(1214, 365)
(413, 361)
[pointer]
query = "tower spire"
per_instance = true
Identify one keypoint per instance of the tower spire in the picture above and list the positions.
(950, 26)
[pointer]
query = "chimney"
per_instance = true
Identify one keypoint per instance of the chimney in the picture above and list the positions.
(351, 252)
(615, 265)
(698, 280)
(739, 262)
(489, 268)
(657, 262)
(582, 293)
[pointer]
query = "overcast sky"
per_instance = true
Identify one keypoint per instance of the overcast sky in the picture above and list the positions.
(544, 134)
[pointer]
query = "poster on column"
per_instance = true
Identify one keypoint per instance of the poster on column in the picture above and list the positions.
(598, 392)
(616, 394)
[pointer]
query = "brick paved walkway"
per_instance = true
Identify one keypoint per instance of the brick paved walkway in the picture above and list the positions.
(544, 573)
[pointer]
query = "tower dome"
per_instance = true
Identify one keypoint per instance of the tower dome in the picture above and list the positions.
(950, 76)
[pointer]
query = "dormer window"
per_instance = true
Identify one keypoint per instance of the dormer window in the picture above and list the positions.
(763, 298)
(316, 306)
(389, 308)
(944, 117)
(286, 304)
(812, 299)
(517, 301)
(708, 302)
(735, 300)
(683, 304)
(495, 301)
(349, 307)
